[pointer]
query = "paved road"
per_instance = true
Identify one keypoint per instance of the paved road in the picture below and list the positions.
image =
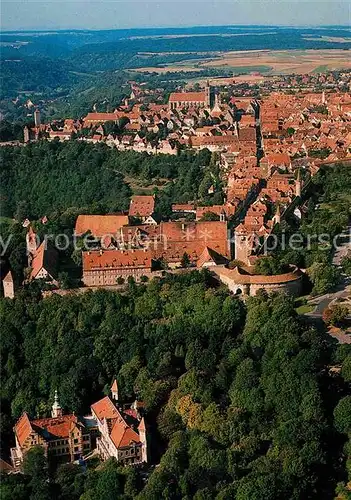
(323, 301)
(343, 291)
(344, 246)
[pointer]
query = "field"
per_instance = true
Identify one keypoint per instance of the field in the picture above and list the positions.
(267, 62)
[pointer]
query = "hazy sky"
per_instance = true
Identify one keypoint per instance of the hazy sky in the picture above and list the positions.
(100, 14)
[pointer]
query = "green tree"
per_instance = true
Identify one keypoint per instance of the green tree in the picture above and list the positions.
(185, 261)
(342, 415)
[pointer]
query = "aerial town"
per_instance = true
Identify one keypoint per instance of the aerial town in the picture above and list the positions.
(267, 151)
(175, 251)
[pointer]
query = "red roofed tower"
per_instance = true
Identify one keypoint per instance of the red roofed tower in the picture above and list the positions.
(114, 390)
(142, 436)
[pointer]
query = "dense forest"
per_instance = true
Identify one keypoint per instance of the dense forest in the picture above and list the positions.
(49, 177)
(241, 401)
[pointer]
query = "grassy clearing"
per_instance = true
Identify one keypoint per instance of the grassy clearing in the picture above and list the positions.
(304, 309)
(301, 306)
(139, 186)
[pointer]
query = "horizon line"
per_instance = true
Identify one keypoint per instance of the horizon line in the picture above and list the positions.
(182, 26)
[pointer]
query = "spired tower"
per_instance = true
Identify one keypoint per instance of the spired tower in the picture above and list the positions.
(56, 410)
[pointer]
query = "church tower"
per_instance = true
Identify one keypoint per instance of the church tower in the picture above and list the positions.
(56, 410)
(208, 94)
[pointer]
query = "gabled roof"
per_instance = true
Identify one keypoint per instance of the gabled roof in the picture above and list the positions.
(100, 225)
(45, 257)
(57, 427)
(142, 205)
(187, 96)
(8, 278)
(116, 259)
(123, 435)
(23, 428)
(209, 255)
(105, 409)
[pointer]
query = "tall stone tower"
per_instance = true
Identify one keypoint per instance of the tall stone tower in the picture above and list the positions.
(114, 391)
(298, 184)
(8, 285)
(142, 435)
(26, 134)
(208, 94)
(56, 410)
(37, 120)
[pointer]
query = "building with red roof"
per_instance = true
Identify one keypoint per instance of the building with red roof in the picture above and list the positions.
(105, 267)
(187, 100)
(44, 263)
(143, 207)
(122, 433)
(100, 225)
(64, 438)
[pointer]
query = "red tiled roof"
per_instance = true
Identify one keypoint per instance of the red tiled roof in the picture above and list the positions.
(100, 225)
(58, 427)
(187, 97)
(142, 426)
(45, 257)
(247, 134)
(142, 205)
(123, 435)
(116, 259)
(178, 207)
(23, 428)
(101, 117)
(209, 255)
(215, 140)
(243, 277)
(105, 409)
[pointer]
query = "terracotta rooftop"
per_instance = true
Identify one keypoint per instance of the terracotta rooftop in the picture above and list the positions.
(116, 259)
(100, 225)
(58, 427)
(23, 428)
(187, 97)
(244, 276)
(45, 257)
(142, 205)
(105, 409)
(122, 435)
